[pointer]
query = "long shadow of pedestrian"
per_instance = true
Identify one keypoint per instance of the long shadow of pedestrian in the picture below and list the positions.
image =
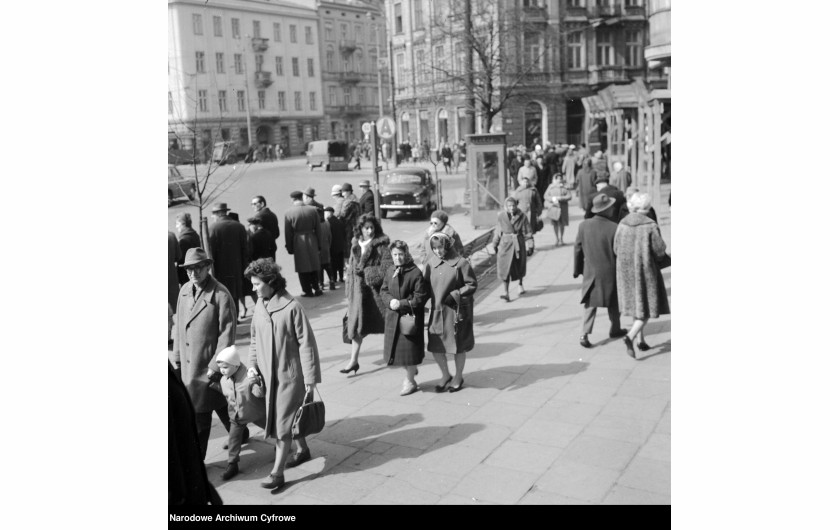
(556, 288)
(490, 377)
(654, 351)
(493, 317)
(492, 349)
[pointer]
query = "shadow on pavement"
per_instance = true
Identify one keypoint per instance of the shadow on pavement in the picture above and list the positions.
(491, 349)
(493, 317)
(488, 378)
(557, 288)
(660, 326)
(665, 348)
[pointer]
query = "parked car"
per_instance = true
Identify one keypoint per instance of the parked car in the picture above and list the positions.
(334, 155)
(408, 190)
(179, 186)
(228, 152)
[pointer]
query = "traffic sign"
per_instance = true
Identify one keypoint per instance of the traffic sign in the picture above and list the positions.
(378, 169)
(366, 127)
(385, 127)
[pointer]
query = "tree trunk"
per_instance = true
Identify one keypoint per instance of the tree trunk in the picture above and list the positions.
(468, 64)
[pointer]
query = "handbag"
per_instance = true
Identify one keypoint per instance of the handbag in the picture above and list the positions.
(664, 262)
(344, 336)
(310, 417)
(408, 326)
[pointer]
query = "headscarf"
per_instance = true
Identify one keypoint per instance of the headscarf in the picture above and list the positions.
(409, 259)
(447, 241)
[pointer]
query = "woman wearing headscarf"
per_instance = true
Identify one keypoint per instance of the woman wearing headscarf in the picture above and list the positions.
(284, 352)
(452, 283)
(557, 198)
(370, 259)
(512, 240)
(529, 201)
(639, 246)
(438, 223)
(404, 292)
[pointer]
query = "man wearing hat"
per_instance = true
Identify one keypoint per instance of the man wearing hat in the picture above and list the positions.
(602, 185)
(348, 214)
(595, 259)
(187, 239)
(229, 247)
(268, 218)
(309, 200)
(366, 200)
(302, 227)
(205, 324)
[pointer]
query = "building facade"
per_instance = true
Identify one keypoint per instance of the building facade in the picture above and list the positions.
(244, 71)
(354, 66)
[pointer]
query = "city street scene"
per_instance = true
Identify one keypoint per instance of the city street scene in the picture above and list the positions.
(391, 226)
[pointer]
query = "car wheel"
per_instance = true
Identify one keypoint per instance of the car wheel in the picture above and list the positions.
(327, 167)
(383, 213)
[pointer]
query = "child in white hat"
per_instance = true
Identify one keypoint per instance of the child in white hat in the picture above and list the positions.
(245, 405)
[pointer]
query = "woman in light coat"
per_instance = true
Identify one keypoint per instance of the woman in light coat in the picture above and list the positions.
(512, 241)
(452, 283)
(557, 198)
(530, 201)
(638, 246)
(283, 350)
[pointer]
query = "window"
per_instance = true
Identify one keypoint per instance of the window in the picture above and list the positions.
(359, 36)
(222, 100)
(632, 3)
(234, 27)
(199, 62)
(295, 69)
(277, 36)
(237, 63)
(398, 26)
(258, 58)
(418, 15)
(575, 3)
(171, 104)
(278, 65)
(202, 100)
(308, 34)
(360, 61)
(574, 45)
(332, 96)
(281, 100)
(420, 65)
(439, 63)
(220, 63)
(261, 99)
(328, 30)
(197, 25)
(330, 59)
(292, 33)
(344, 32)
(310, 67)
(604, 53)
(347, 95)
(533, 53)
(400, 69)
(298, 102)
(312, 104)
(226, 134)
(217, 26)
(374, 61)
(634, 48)
(256, 34)
(373, 32)
(240, 100)
(362, 96)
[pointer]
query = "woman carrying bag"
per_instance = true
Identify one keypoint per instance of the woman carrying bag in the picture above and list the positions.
(557, 198)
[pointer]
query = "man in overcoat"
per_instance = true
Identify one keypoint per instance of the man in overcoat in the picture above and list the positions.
(205, 324)
(229, 247)
(268, 218)
(618, 211)
(366, 200)
(595, 259)
(187, 239)
(302, 227)
(348, 213)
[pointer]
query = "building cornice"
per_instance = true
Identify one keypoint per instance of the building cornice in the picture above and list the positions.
(274, 7)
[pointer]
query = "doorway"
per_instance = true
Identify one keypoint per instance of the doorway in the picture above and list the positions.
(575, 113)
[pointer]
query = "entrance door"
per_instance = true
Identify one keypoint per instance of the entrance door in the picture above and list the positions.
(443, 126)
(575, 112)
(533, 125)
(264, 135)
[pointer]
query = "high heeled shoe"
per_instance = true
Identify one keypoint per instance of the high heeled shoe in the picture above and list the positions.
(456, 388)
(629, 344)
(273, 481)
(644, 346)
(442, 388)
(354, 369)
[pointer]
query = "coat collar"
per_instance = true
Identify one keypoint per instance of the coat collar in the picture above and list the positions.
(204, 300)
(280, 300)
(453, 259)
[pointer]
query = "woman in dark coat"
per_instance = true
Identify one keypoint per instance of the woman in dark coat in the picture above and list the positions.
(586, 182)
(370, 259)
(512, 240)
(404, 291)
(638, 246)
(452, 283)
(283, 350)
(530, 201)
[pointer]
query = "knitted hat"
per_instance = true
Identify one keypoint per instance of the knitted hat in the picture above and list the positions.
(229, 355)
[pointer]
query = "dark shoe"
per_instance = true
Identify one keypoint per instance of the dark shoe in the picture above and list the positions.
(584, 341)
(622, 332)
(319, 292)
(298, 458)
(354, 369)
(442, 388)
(231, 471)
(505, 297)
(644, 346)
(456, 388)
(332, 286)
(273, 481)
(630, 350)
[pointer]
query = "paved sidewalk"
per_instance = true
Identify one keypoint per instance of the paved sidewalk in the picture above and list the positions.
(540, 420)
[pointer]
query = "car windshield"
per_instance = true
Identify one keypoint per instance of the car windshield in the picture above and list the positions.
(403, 178)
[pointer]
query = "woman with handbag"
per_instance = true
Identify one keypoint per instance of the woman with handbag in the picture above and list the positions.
(639, 250)
(284, 352)
(557, 198)
(369, 261)
(512, 241)
(452, 283)
(404, 291)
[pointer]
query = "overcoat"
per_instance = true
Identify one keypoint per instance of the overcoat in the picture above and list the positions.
(569, 169)
(365, 309)
(366, 202)
(619, 209)
(229, 245)
(349, 215)
(302, 227)
(325, 238)
(641, 289)
(530, 203)
(243, 406)
(336, 237)
(175, 258)
(426, 245)
(269, 221)
(284, 350)
(198, 335)
(558, 211)
(595, 259)
(409, 288)
(621, 179)
(186, 240)
(585, 185)
(453, 276)
(262, 245)
(509, 240)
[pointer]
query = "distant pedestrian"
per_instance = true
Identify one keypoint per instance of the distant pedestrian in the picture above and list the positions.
(357, 156)
(302, 227)
(530, 202)
(366, 199)
(557, 198)
(456, 157)
(336, 270)
(309, 200)
(452, 284)
(269, 218)
(404, 292)
(595, 259)
(569, 169)
(348, 214)
(325, 239)
(446, 158)
(229, 247)
(512, 242)
(620, 177)
(586, 182)
(639, 247)
(527, 170)
(187, 239)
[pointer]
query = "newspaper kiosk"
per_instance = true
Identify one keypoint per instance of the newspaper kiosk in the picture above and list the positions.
(486, 169)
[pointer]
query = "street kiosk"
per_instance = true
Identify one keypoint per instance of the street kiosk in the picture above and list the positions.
(486, 169)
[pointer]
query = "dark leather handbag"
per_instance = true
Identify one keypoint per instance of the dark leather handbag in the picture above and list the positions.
(344, 335)
(664, 262)
(310, 417)
(408, 325)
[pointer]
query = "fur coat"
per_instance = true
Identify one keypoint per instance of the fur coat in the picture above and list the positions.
(365, 274)
(641, 289)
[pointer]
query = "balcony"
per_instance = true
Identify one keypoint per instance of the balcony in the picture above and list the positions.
(351, 110)
(349, 78)
(635, 12)
(535, 15)
(604, 75)
(263, 79)
(347, 46)
(575, 12)
(605, 11)
(259, 45)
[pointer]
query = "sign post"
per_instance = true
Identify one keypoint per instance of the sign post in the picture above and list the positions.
(376, 169)
(385, 128)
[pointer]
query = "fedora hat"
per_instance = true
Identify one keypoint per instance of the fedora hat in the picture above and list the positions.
(364, 183)
(220, 207)
(601, 202)
(310, 192)
(196, 256)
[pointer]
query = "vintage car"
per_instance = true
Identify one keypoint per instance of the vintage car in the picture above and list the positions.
(179, 186)
(408, 190)
(333, 155)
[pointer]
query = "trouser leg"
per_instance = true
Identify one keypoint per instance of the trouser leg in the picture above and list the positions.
(588, 319)
(615, 317)
(303, 277)
(235, 441)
